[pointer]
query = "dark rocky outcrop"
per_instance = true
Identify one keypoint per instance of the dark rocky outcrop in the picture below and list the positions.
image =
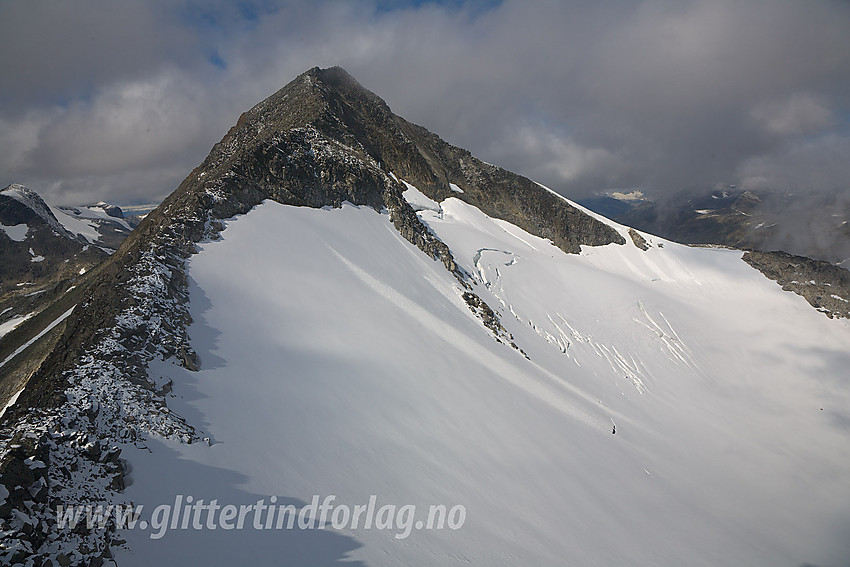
(638, 240)
(825, 286)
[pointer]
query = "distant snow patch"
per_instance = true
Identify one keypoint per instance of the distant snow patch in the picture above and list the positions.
(630, 196)
(46, 330)
(96, 212)
(16, 232)
(9, 325)
(9, 404)
(81, 226)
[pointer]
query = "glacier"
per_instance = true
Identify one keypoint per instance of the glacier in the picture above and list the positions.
(338, 359)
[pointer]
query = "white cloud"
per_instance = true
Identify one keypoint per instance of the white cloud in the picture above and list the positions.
(557, 157)
(801, 113)
(20, 136)
(818, 164)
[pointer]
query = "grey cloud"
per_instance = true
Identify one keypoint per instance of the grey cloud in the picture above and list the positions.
(582, 97)
(55, 51)
(817, 164)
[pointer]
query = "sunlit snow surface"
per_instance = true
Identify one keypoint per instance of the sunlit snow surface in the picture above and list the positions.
(76, 225)
(339, 359)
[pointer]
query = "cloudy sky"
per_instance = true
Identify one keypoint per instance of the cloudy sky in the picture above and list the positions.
(120, 100)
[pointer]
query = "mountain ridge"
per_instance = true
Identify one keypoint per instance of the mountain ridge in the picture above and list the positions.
(107, 382)
(135, 307)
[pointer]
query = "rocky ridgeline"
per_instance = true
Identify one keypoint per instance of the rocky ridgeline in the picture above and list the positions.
(825, 286)
(56, 459)
(91, 392)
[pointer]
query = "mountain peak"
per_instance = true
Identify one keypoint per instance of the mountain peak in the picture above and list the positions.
(34, 203)
(312, 97)
(320, 141)
(313, 141)
(334, 76)
(23, 194)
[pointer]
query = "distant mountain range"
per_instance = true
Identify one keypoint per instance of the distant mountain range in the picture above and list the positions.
(44, 249)
(812, 225)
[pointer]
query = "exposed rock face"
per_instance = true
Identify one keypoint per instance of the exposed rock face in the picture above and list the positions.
(324, 139)
(638, 240)
(825, 286)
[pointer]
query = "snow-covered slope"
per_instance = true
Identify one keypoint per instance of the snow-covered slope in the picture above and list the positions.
(343, 361)
(94, 224)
